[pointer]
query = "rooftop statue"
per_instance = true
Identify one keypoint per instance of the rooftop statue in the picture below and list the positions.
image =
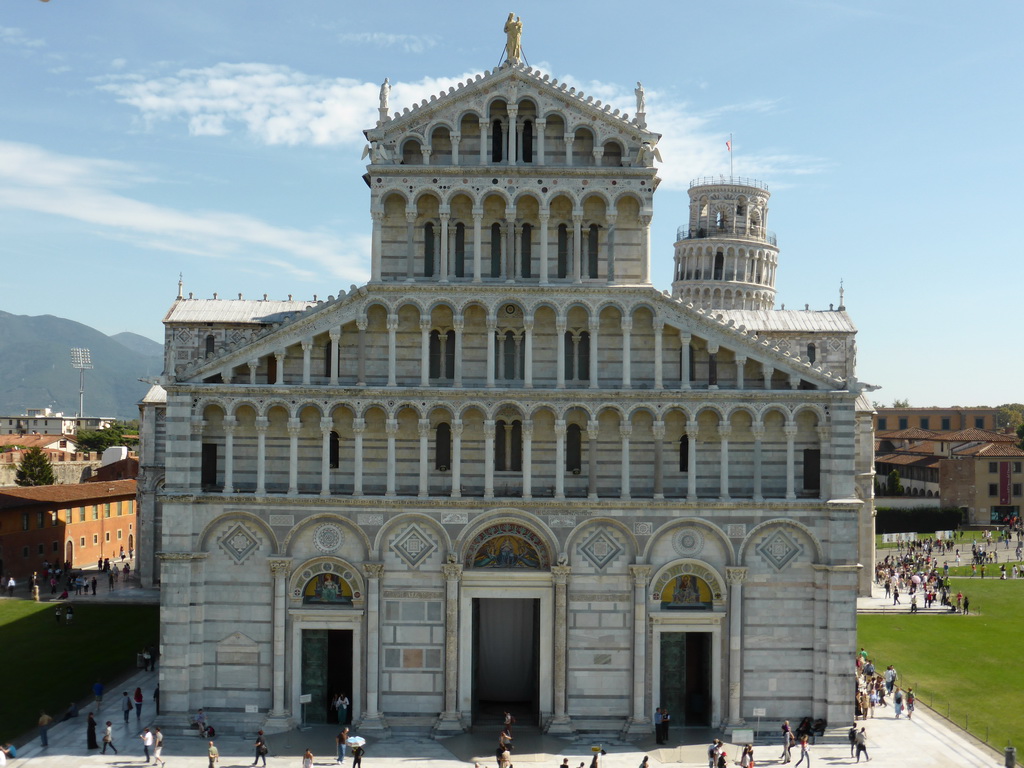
(385, 91)
(641, 102)
(514, 36)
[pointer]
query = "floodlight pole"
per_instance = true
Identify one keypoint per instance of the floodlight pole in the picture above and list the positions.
(81, 359)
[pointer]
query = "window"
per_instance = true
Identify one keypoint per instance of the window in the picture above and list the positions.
(120, 508)
(41, 549)
(719, 266)
(993, 467)
(812, 353)
(95, 539)
(574, 449)
(881, 422)
(107, 536)
(1016, 489)
(508, 446)
(81, 541)
(496, 142)
(510, 357)
(328, 359)
(945, 424)
(526, 250)
(95, 512)
(208, 466)
(684, 453)
(40, 519)
(577, 356)
(334, 450)
(563, 250)
(81, 514)
(1016, 467)
(428, 249)
(495, 250)
(443, 447)
(24, 551)
(903, 422)
(993, 489)
(812, 469)
(460, 250)
(119, 534)
(56, 546)
(527, 143)
(210, 342)
(593, 235)
(924, 422)
(106, 509)
(24, 521)
(442, 355)
(54, 518)
(979, 422)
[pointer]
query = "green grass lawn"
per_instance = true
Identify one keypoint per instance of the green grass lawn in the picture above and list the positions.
(967, 666)
(46, 666)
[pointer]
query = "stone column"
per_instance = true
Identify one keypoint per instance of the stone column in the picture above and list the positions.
(528, 353)
(595, 331)
(513, 113)
(492, 328)
(560, 722)
(527, 459)
(442, 251)
(450, 720)
(560, 354)
(741, 363)
(485, 137)
(478, 217)
(824, 462)
(766, 373)
(540, 124)
(410, 244)
(645, 248)
(735, 577)
(610, 244)
(593, 426)
(425, 352)
(230, 424)
(335, 351)
(457, 458)
(326, 425)
(279, 374)
(712, 366)
(757, 430)
(307, 345)
(627, 352)
(262, 425)
(455, 147)
(391, 428)
(358, 427)
(279, 716)
(659, 328)
(361, 356)
(252, 364)
(692, 432)
(294, 429)
(544, 218)
(684, 360)
(577, 248)
(559, 458)
(373, 719)
(424, 429)
(625, 430)
(375, 245)
(724, 430)
(489, 459)
(639, 722)
(392, 349)
(568, 138)
(790, 432)
(658, 431)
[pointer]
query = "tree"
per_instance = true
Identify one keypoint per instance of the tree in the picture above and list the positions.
(894, 487)
(89, 441)
(901, 403)
(1010, 415)
(35, 469)
(1020, 435)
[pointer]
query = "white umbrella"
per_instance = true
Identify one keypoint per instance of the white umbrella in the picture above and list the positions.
(355, 741)
(916, 579)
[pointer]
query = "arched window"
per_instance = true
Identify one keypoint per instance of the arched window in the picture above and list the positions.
(460, 250)
(719, 265)
(428, 249)
(441, 355)
(335, 450)
(496, 142)
(577, 356)
(527, 141)
(449, 355)
(526, 250)
(210, 343)
(720, 220)
(684, 453)
(328, 358)
(812, 353)
(574, 449)
(508, 446)
(509, 357)
(495, 249)
(563, 250)
(435, 355)
(592, 242)
(443, 447)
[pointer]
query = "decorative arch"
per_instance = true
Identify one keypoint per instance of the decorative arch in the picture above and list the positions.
(688, 585)
(530, 544)
(408, 549)
(328, 582)
(241, 540)
(780, 558)
(348, 527)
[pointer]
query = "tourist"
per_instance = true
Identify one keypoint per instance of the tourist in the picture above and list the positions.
(910, 703)
(126, 705)
(713, 751)
(138, 704)
(214, 754)
(108, 738)
(341, 740)
(787, 742)
(967, 606)
(852, 736)
(804, 752)
(307, 759)
(862, 745)
(45, 721)
(897, 699)
(97, 691)
(747, 758)
(147, 741)
(90, 733)
(665, 720)
(158, 746)
(657, 726)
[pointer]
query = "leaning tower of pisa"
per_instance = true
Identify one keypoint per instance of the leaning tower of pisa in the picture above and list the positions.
(725, 256)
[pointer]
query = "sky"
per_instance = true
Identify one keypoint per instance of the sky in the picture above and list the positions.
(222, 141)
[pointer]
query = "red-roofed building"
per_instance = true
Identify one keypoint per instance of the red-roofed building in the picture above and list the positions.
(57, 523)
(936, 419)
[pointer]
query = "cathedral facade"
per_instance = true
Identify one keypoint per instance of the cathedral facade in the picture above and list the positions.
(508, 473)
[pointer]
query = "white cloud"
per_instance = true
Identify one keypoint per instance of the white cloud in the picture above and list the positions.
(408, 43)
(118, 63)
(16, 38)
(34, 179)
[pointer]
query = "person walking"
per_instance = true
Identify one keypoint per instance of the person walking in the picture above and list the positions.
(805, 752)
(307, 759)
(90, 733)
(358, 751)
(138, 704)
(787, 742)
(126, 705)
(657, 726)
(214, 754)
(852, 735)
(910, 703)
(108, 738)
(967, 606)
(45, 721)
(897, 700)
(261, 748)
(862, 745)
(158, 746)
(147, 741)
(341, 740)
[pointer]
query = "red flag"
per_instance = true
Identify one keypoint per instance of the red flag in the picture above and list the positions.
(728, 145)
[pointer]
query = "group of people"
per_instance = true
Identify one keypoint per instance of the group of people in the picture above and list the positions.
(915, 573)
(873, 688)
(719, 758)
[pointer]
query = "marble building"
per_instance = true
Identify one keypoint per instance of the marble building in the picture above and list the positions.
(508, 472)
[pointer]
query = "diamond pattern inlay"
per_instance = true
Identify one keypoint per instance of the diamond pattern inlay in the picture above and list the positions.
(239, 543)
(779, 549)
(413, 546)
(601, 548)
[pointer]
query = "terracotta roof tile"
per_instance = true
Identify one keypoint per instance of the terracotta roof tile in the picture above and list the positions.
(64, 494)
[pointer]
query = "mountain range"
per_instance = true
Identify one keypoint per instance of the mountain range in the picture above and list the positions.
(36, 372)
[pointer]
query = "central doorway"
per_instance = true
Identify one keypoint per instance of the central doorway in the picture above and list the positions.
(506, 659)
(326, 670)
(686, 677)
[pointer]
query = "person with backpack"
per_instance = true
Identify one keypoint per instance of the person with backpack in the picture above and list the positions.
(852, 735)
(897, 699)
(862, 745)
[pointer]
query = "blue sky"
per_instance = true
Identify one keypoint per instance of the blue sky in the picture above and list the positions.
(222, 140)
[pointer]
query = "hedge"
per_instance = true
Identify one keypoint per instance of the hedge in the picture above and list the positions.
(923, 520)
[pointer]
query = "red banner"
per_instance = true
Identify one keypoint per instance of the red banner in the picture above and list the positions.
(1004, 483)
